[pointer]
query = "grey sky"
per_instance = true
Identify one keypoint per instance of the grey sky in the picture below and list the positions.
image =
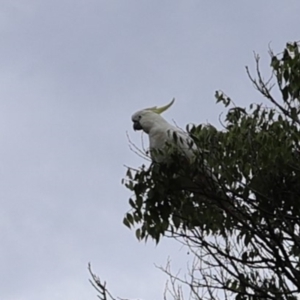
(71, 75)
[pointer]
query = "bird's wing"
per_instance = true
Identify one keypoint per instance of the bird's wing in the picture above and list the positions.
(183, 141)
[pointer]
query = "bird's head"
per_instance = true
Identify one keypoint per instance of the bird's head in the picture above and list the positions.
(146, 118)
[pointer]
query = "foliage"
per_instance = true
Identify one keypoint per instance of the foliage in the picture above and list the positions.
(242, 221)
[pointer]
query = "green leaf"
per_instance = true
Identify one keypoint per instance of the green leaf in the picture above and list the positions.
(126, 223)
(138, 234)
(128, 173)
(275, 62)
(175, 138)
(129, 218)
(285, 93)
(132, 204)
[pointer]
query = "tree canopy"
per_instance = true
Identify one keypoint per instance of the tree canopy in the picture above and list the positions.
(243, 225)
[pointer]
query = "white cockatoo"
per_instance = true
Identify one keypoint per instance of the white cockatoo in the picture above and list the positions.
(161, 133)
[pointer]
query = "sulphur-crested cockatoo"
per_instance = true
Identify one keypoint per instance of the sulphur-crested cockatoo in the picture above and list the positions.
(161, 133)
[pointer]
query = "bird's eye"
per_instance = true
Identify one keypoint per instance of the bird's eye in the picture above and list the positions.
(140, 117)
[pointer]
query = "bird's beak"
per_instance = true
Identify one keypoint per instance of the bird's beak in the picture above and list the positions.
(137, 125)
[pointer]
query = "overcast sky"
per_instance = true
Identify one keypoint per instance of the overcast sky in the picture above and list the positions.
(71, 75)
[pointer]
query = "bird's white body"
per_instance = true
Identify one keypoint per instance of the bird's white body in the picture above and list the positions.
(162, 136)
(161, 133)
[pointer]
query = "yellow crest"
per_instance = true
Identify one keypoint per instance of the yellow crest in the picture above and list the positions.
(160, 110)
